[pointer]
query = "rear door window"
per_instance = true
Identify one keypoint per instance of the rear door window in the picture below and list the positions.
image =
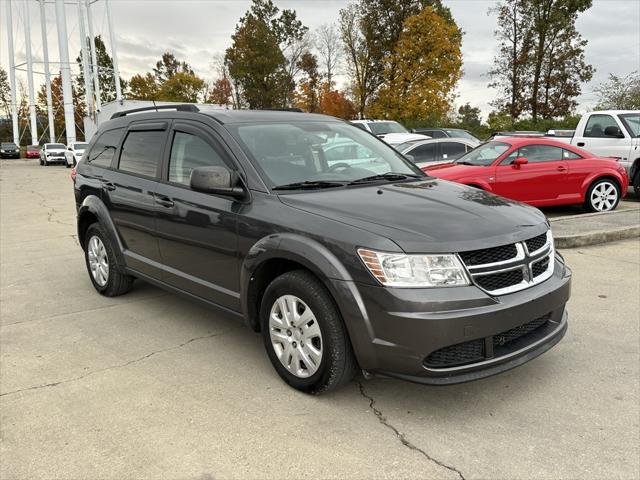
(104, 149)
(452, 150)
(141, 152)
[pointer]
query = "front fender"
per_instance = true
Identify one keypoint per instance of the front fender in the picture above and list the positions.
(326, 266)
(473, 182)
(93, 206)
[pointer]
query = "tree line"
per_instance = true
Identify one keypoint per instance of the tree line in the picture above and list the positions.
(401, 60)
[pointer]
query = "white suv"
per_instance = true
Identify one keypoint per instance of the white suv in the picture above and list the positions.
(52, 153)
(74, 153)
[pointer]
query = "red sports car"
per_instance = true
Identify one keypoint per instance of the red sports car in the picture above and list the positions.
(540, 172)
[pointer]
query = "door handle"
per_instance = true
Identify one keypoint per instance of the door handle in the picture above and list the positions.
(562, 169)
(581, 144)
(164, 201)
(108, 185)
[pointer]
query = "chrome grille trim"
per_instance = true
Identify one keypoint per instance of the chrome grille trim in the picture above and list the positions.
(524, 261)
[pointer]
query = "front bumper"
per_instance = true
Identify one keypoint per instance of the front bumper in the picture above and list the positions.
(395, 332)
(10, 155)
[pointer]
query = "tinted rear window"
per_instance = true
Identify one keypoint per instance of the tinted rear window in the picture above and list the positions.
(141, 152)
(105, 148)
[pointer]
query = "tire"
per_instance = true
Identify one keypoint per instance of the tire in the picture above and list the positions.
(603, 195)
(41, 164)
(337, 364)
(636, 184)
(66, 164)
(117, 282)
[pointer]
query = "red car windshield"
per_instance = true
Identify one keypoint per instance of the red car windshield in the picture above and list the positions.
(484, 155)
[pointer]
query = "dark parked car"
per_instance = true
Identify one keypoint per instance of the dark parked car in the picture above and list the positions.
(447, 133)
(9, 150)
(339, 267)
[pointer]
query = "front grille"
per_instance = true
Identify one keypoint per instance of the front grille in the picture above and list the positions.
(509, 268)
(502, 343)
(520, 331)
(536, 243)
(540, 267)
(489, 255)
(467, 352)
(498, 281)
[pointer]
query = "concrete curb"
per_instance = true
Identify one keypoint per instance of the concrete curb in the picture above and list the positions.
(593, 238)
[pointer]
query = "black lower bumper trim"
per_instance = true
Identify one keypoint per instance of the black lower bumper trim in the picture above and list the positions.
(491, 367)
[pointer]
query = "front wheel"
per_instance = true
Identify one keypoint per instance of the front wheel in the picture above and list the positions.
(304, 334)
(603, 196)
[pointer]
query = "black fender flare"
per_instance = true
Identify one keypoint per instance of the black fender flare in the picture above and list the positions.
(94, 205)
(309, 253)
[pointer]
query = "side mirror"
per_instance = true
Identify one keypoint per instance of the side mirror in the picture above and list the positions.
(411, 158)
(518, 162)
(218, 180)
(613, 131)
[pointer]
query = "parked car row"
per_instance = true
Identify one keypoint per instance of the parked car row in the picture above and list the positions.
(542, 169)
(48, 154)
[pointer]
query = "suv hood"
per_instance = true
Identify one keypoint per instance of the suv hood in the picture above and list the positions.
(426, 216)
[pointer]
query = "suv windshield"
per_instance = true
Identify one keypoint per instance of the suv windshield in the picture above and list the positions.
(9, 145)
(382, 128)
(51, 146)
(319, 154)
(632, 122)
(485, 154)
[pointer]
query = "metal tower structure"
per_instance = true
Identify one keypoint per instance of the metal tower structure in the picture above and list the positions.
(89, 64)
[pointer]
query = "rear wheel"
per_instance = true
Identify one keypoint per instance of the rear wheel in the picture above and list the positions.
(636, 184)
(304, 335)
(105, 274)
(603, 196)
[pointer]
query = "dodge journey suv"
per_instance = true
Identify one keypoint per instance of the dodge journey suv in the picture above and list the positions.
(353, 261)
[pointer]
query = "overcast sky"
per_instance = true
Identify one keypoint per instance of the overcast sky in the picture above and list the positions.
(196, 30)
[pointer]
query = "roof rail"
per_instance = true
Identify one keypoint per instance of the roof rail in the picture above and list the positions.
(185, 107)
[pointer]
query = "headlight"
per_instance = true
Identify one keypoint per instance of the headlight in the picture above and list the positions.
(401, 270)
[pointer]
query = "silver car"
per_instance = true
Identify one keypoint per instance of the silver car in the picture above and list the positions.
(435, 150)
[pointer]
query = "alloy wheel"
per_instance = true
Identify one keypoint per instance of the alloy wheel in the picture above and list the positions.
(98, 261)
(295, 336)
(604, 196)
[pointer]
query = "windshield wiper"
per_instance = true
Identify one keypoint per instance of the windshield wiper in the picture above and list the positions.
(310, 185)
(464, 163)
(391, 176)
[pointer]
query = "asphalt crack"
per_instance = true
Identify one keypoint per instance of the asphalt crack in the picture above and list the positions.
(401, 436)
(112, 367)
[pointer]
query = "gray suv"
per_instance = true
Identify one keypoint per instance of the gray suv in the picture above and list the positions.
(341, 265)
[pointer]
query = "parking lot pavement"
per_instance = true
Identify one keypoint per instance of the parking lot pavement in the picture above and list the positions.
(630, 202)
(149, 385)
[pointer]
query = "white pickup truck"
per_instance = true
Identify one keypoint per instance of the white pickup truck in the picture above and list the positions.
(611, 133)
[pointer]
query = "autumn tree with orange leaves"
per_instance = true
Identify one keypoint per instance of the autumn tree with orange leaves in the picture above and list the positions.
(422, 71)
